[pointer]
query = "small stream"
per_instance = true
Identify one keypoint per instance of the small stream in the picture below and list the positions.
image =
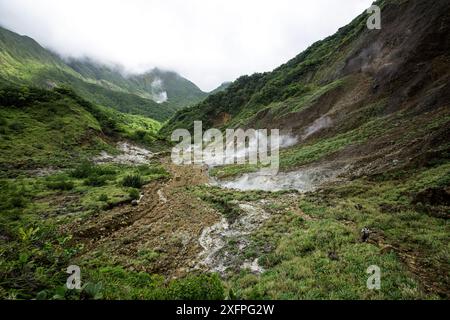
(223, 242)
(130, 154)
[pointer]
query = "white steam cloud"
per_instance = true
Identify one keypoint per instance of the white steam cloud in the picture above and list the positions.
(159, 95)
(319, 124)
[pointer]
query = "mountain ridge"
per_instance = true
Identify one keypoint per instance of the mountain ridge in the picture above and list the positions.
(25, 61)
(350, 51)
(352, 77)
(181, 92)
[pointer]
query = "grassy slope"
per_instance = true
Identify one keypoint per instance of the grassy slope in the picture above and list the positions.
(41, 129)
(55, 128)
(410, 241)
(311, 248)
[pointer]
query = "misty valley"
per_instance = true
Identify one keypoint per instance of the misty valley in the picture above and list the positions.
(327, 178)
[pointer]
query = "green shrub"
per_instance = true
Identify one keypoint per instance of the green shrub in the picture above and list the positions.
(96, 181)
(134, 194)
(82, 171)
(103, 197)
(23, 96)
(18, 201)
(148, 255)
(133, 181)
(202, 287)
(60, 183)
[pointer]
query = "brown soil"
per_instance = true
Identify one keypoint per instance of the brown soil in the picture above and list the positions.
(168, 220)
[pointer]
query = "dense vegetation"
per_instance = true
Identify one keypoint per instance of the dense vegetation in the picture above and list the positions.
(55, 128)
(35, 253)
(318, 255)
(180, 91)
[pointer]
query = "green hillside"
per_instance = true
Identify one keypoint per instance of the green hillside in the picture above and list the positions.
(24, 61)
(348, 77)
(42, 128)
(375, 104)
(180, 91)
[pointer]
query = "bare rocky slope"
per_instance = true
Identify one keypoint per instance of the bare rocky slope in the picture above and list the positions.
(378, 89)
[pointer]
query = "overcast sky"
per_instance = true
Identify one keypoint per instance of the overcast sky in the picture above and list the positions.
(207, 41)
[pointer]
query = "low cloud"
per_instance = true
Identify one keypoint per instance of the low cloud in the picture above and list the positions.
(209, 42)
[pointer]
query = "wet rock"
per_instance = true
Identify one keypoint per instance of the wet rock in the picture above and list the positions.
(219, 241)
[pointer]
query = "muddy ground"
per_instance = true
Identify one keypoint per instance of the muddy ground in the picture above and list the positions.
(173, 232)
(167, 223)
